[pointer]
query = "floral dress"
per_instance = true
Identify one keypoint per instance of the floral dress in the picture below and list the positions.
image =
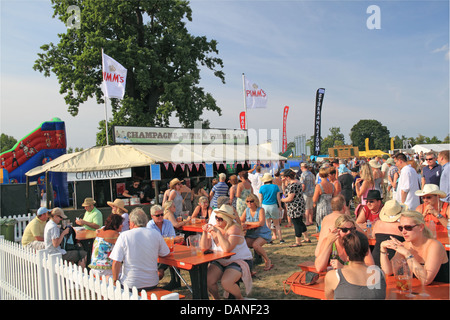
(101, 249)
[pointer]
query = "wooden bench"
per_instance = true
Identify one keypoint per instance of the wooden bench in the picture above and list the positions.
(161, 294)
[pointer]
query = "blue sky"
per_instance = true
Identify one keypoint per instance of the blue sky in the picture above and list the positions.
(398, 75)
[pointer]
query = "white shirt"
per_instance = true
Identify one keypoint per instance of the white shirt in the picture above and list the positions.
(255, 179)
(138, 250)
(408, 182)
(52, 231)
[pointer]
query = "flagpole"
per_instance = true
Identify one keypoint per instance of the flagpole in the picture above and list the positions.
(106, 116)
(245, 105)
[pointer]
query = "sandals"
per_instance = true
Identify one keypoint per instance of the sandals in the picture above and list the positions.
(267, 268)
(295, 245)
(306, 241)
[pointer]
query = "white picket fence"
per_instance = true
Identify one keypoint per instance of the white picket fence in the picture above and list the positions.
(22, 222)
(26, 274)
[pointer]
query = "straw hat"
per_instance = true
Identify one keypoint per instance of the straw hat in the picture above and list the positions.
(431, 189)
(173, 182)
(390, 161)
(374, 164)
(226, 210)
(88, 202)
(266, 177)
(117, 203)
(392, 210)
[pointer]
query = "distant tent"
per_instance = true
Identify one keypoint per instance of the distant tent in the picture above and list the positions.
(431, 147)
(288, 153)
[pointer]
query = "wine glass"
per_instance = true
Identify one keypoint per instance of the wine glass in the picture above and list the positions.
(421, 273)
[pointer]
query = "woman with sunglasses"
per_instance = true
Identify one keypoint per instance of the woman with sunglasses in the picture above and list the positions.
(257, 238)
(432, 208)
(420, 250)
(355, 280)
(332, 251)
(227, 236)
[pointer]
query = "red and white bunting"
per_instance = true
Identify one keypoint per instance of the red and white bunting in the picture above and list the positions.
(174, 166)
(182, 165)
(197, 166)
(166, 165)
(190, 166)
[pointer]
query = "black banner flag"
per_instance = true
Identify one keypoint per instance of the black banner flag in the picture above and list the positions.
(317, 120)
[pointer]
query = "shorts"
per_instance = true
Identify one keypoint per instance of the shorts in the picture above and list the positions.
(272, 211)
(308, 202)
(232, 265)
(74, 255)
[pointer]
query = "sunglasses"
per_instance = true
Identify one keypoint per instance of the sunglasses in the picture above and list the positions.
(427, 197)
(345, 230)
(430, 159)
(371, 201)
(159, 215)
(219, 219)
(250, 201)
(407, 228)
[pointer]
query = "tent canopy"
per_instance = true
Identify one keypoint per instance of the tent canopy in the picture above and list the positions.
(127, 156)
(430, 147)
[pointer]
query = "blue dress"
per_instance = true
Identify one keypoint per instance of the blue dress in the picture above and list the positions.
(263, 232)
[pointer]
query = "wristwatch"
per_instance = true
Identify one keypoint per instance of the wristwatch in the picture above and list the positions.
(440, 216)
(409, 257)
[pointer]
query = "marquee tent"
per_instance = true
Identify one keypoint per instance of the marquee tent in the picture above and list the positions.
(127, 156)
(431, 147)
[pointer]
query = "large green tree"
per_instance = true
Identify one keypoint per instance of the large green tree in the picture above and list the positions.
(377, 133)
(150, 39)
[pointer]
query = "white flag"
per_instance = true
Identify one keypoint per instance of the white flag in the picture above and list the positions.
(255, 97)
(114, 78)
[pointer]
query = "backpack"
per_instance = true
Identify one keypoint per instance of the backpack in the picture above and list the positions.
(69, 243)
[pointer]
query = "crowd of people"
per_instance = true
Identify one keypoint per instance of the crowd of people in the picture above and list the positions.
(401, 200)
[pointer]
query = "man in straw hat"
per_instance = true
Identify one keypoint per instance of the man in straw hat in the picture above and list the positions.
(387, 227)
(93, 218)
(432, 208)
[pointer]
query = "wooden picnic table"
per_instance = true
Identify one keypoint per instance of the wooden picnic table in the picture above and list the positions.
(199, 223)
(436, 290)
(184, 258)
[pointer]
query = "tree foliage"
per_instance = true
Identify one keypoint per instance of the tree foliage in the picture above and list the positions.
(6, 142)
(377, 133)
(150, 39)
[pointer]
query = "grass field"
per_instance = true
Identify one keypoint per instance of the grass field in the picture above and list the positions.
(268, 285)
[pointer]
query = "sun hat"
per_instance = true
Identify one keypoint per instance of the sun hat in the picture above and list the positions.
(266, 177)
(390, 161)
(431, 189)
(42, 210)
(392, 210)
(58, 212)
(117, 203)
(174, 182)
(374, 164)
(88, 202)
(374, 195)
(226, 210)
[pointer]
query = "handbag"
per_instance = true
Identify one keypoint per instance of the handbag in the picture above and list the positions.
(304, 278)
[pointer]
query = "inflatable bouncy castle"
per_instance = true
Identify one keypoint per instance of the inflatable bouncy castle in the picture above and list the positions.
(45, 143)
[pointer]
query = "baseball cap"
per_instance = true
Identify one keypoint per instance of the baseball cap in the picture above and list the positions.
(42, 210)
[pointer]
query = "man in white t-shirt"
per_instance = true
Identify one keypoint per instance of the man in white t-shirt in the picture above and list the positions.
(255, 175)
(135, 254)
(408, 183)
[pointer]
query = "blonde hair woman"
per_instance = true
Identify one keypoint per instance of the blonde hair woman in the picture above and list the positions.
(423, 253)
(227, 235)
(169, 214)
(365, 183)
(202, 210)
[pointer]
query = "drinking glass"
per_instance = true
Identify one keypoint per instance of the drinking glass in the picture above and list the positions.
(421, 273)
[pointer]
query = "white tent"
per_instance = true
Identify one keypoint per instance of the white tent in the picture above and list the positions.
(127, 156)
(430, 147)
